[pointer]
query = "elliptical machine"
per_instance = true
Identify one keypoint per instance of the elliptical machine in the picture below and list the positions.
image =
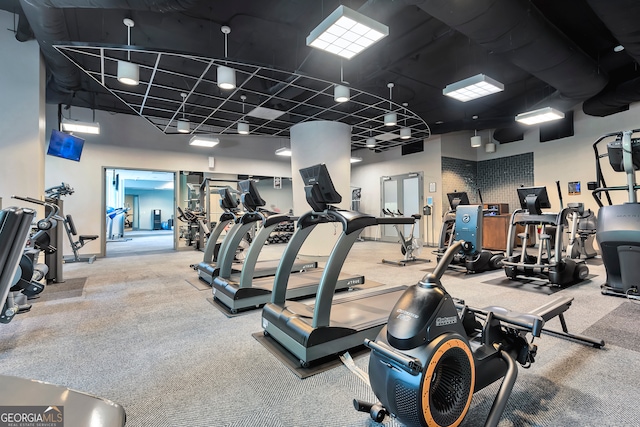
(464, 222)
(549, 263)
(618, 232)
(435, 352)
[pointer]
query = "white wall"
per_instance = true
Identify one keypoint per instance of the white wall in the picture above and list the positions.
(367, 173)
(132, 143)
(572, 159)
(564, 160)
(22, 82)
(149, 200)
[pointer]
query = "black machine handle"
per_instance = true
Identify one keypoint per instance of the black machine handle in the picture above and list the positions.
(560, 195)
(409, 364)
(434, 277)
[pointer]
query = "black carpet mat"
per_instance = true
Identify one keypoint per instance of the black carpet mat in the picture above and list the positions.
(533, 284)
(619, 327)
(594, 261)
(198, 284)
(225, 310)
(70, 288)
(291, 362)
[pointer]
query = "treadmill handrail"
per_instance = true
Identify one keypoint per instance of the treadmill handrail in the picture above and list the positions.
(258, 242)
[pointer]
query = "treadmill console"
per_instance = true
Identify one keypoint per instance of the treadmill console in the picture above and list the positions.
(319, 188)
(227, 201)
(251, 199)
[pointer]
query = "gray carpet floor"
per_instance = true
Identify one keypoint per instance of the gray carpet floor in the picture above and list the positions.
(141, 335)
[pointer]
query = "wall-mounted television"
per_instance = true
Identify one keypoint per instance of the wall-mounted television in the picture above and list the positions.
(65, 145)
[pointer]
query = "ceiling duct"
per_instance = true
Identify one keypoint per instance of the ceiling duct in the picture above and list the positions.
(621, 18)
(518, 32)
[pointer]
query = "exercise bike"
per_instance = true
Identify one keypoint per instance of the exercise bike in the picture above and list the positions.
(410, 246)
(435, 352)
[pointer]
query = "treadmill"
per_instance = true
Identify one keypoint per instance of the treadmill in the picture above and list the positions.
(330, 326)
(229, 205)
(252, 202)
(238, 291)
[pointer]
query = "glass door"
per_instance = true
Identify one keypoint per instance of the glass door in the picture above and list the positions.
(401, 195)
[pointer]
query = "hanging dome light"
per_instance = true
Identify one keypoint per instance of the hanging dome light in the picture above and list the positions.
(183, 125)
(390, 119)
(370, 142)
(128, 72)
(341, 93)
(226, 77)
(243, 128)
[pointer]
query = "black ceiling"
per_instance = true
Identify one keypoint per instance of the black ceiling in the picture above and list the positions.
(546, 52)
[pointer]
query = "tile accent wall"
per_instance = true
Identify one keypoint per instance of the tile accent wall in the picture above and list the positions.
(497, 179)
(459, 175)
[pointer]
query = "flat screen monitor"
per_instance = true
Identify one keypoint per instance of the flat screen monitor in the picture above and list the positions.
(458, 198)
(533, 199)
(319, 187)
(65, 145)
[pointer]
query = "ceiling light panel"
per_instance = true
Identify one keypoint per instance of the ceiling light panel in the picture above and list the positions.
(346, 33)
(541, 115)
(473, 88)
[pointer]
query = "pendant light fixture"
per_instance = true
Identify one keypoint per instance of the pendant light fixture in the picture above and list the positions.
(405, 132)
(226, 75)
(183, 126)
(341, 93)
(476, 140)
(243, 127)
(390, 119)
(128, 72)
(371, 141)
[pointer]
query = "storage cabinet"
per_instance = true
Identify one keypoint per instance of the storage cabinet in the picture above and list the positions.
(495, 230)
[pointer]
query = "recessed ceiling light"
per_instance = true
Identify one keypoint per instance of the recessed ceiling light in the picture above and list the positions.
(618, 48)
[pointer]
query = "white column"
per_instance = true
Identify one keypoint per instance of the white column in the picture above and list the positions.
(321, 142)
(22, 132)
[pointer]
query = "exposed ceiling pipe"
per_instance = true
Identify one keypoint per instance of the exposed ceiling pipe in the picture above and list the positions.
(621, 18)
(517, 31)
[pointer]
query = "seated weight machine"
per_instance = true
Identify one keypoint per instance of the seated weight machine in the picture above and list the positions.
(410, 246)
(435, 352)
(618, 230)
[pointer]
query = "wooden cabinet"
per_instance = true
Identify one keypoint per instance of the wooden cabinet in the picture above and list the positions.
(494, 232)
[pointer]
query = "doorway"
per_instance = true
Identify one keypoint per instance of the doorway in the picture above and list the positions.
(402, 194)
(139, 211)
